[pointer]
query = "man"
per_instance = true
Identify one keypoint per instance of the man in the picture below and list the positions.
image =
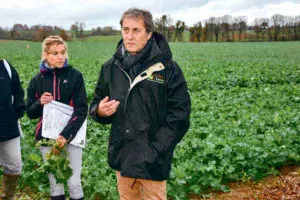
(12, 107)
(141, 91)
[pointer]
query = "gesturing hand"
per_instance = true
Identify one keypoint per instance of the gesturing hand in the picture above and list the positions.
(46, 98)
(106, 108)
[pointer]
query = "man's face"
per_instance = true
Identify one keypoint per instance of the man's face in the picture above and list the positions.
(134, 34)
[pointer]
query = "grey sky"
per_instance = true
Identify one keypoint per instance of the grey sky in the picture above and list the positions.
(107, 12)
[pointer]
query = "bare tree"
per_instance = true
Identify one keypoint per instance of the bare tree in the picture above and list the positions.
(199, 31)
(196, 32)
(234, 26)
(264, 25)
(210, 27)
(242, 25)
(179, 30)
(276, 20)
(16, 31)
(75, 27)
(217, 28)
(289, 24)
(82, 26)
(225, 26)
(296, 24)
(204, 33)
(257, 27)
(283, 23)
(163, 26)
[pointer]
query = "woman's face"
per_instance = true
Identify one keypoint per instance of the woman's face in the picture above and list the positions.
(56, 56)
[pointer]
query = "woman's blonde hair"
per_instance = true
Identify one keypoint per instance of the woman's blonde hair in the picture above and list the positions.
(49, 42)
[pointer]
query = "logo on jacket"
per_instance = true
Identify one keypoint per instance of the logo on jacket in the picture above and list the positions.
(156, 78)
(65, 81)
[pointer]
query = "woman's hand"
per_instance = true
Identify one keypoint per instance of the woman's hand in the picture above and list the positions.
(61, 141)
(46, 98)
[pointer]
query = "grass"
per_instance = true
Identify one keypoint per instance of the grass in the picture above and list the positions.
(100, 38)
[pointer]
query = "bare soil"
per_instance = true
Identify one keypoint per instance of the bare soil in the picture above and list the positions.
(286, 186)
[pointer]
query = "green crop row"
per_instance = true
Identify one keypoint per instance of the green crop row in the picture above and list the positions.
(244, 121)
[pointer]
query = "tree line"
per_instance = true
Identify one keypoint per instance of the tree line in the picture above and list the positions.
(215, 29)
(40, 32)
(229, 29)
(33, 33)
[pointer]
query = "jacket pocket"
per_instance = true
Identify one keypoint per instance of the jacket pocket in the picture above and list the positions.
(5, 91)
(114, 154)
(7, 113)
(161, 167)
(143, 132)
(8, 130)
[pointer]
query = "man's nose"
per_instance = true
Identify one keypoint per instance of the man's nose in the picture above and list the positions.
(130, 35)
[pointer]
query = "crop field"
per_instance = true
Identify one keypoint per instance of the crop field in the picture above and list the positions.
(245, 120)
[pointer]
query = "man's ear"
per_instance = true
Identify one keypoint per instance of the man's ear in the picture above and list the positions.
(149, 35)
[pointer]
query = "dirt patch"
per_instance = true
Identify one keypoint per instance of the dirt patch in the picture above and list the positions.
(285, 186)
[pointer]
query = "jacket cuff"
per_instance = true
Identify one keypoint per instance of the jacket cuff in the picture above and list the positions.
(37, 105)
(68, 137)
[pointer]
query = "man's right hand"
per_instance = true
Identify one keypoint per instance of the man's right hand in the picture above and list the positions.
(106, 108)
(46, 98)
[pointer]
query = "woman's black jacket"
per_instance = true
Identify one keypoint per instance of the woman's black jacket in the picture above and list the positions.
(66, 86)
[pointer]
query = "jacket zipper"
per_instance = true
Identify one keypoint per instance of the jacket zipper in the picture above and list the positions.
(132, 84)
(54, 86)
(129, 89)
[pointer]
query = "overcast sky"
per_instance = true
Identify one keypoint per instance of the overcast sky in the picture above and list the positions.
(108, 12)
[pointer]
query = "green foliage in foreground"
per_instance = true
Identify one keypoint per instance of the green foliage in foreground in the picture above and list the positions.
(244, 122)
(57, 162)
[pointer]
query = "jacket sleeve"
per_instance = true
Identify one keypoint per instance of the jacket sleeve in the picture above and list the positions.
(101, 91)
(80, 110)
(18, 94)
(177, 119)
(34, 108)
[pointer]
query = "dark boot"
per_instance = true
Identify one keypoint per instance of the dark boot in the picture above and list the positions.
(60, 197)
(9, 185)
(77, 199)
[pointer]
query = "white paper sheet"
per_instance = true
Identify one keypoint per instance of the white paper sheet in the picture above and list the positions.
(56, 116)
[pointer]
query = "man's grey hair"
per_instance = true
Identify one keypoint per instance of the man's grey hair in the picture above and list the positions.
(135, 13)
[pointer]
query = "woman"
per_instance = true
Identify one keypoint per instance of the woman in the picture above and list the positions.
(58, 81)
(12, 108)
